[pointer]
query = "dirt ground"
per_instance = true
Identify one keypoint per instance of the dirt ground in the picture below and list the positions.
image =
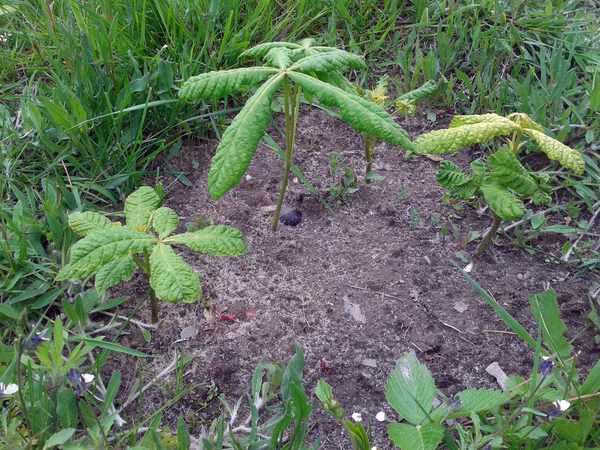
(381, 253)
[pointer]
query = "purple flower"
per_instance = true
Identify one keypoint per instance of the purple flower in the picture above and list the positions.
(453, 403)
(82, 381)
(560, 407)
(37, 339)
(545, 368)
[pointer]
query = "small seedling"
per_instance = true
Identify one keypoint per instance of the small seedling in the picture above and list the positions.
(502, 174)
(109, 251)
(348, 182)
(297, 68)
(402, 194)
(415, 223)
(405, 104)
(201, 224)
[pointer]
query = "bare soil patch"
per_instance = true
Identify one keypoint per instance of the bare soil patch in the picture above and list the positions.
(293, 284)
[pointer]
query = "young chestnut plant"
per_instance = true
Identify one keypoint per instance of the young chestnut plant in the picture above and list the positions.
(297, 68)
(405, 104)
(109, 250)
(502, 181)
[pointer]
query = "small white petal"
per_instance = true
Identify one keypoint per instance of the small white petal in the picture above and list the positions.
(357, 417)
(2, 387)
(563, 405)
(11, 389)
(88, 378)
(380, 416)
(468, 268)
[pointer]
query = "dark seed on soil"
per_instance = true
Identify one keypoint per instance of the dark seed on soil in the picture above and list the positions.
(292, 218)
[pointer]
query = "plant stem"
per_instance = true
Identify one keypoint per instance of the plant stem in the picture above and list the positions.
(154, 306)
(490, 234)
(292, 106)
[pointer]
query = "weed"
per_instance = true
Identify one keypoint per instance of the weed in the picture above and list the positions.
(348, 182)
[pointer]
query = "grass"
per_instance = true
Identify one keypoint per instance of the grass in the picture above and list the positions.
(88, 99)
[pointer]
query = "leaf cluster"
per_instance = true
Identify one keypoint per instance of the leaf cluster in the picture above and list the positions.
(502, 181)
(108, 250)
(313, 68)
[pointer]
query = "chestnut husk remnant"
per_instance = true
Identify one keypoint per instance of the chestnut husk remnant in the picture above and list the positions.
(291, 218)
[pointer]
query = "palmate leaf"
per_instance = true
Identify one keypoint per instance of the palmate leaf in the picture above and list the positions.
(452, 139)
(502, 202)
(524, 121)
(171, 278)
(165, 222)
(99, 248)
(409, 383)
(139, 205)
(506, 169)
(426, 90)
(336, 79)
(566, 156)
(360, 113)
(88, 222)
(465, 191)
(114, 272)
(329, 62)
(241, 139)
(218, 240)
(224, 82)
(408, 437)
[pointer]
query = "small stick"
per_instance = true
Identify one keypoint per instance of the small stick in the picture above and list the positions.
(499, 331)
(375, 292)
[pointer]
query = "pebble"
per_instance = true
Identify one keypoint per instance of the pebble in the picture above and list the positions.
(292, 218)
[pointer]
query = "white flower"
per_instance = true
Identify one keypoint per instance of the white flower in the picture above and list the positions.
(7, 391)
(563, 405)
(357, 417)
(380, 416)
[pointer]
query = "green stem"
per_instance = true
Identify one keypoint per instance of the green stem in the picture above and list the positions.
(292, 107)
(488, 237)
(146, 268)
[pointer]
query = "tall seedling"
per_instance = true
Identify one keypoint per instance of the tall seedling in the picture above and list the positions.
(110, 251)
(502, 180)
(295, 68)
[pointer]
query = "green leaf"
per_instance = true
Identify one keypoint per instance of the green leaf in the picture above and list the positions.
(9, 311)
(358, 435)
(459, 121)
(183, 434)
(224, 82)
(336, 79)
(524, 121)
(66, 408)
(409, 383)
(323, 391)
(111, 346)
(241, 139)
(592, 382)
(502, 202)
(451, 175)
(88, 222)
(541, 198)
(280, 57)
(111, 390)
(506, 169)
(360, 113)
(261, 50)
(545, 310)
(479, 167)
(171, 278)
(98, 249)
(139, 205)
(476, 400)
(566, 156)
(329, 62)
(579, 431)
(293, 373)
(426, 90)
(165, 221)
(217, 240)
(59, 438)
(452, 139)
(408, 437)
(114, 272)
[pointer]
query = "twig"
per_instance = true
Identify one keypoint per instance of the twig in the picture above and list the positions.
(566, 257)
(375, 292)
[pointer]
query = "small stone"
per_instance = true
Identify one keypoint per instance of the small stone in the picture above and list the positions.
(369, 362)
(291, 219)
(494, 370)
(520, 276)
(189, 332)
(461, 307)
(248, 177)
